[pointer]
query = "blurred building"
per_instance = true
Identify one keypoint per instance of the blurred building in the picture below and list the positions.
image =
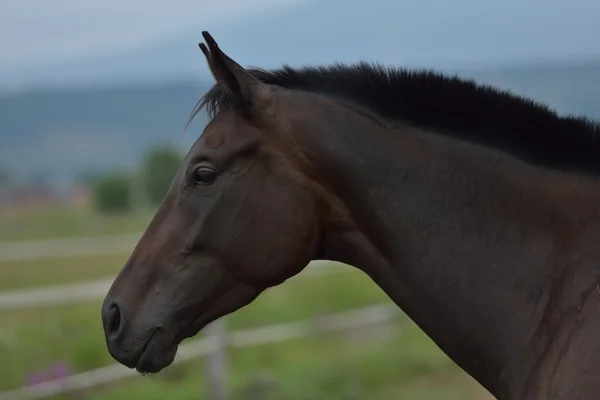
(30, 197)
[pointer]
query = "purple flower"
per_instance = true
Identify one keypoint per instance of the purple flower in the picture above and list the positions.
(36, 378)
(60, 370)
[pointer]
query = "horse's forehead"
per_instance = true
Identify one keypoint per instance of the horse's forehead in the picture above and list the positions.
(223, 128)
(212, 139)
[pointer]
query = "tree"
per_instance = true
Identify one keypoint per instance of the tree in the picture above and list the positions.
(160, 166)
(89, 177)
(112, 193)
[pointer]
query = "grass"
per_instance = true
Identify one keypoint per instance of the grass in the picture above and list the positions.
(402, 365)
(65, 222)
(74, 333)
(57, 271)
(405, 364)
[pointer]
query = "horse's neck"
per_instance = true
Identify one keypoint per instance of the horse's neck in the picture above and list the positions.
(461, 238)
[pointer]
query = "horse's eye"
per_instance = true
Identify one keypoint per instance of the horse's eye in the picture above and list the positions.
(204, 176)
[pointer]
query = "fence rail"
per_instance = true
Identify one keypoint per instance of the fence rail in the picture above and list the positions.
(20, 250)
(215, 343)
(368, 316)
(93, 290)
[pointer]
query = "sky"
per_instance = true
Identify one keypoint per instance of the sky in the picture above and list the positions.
(62, 44)
(58, 42)
(38, 32)
(41, 30)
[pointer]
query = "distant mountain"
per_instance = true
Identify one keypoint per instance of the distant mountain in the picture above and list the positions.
(61, 132)
(56, 134)
(569, 88)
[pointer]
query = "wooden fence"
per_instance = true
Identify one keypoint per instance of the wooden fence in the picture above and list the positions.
(214, 346)
(216, 338)
(96, 289)
(64, 248)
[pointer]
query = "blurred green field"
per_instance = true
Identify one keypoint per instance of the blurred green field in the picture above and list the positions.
(400, 365)
(58, 271)
(64, 222)
(404, 364)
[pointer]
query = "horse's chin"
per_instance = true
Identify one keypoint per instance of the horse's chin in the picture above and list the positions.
(160, 351)
(194, 327)
(158, 355)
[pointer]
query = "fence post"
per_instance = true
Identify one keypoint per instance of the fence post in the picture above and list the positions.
(216, 361)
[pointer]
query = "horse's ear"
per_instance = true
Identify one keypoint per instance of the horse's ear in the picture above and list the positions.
(243, 86)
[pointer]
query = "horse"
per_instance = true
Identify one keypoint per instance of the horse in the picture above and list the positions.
(475, 210)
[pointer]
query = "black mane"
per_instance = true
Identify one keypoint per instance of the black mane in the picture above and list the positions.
(456, 107)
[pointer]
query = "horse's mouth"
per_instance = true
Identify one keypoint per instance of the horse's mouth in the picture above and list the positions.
(156, 355)
(161, 348)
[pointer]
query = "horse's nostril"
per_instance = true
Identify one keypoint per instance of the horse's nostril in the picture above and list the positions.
(113, 321)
